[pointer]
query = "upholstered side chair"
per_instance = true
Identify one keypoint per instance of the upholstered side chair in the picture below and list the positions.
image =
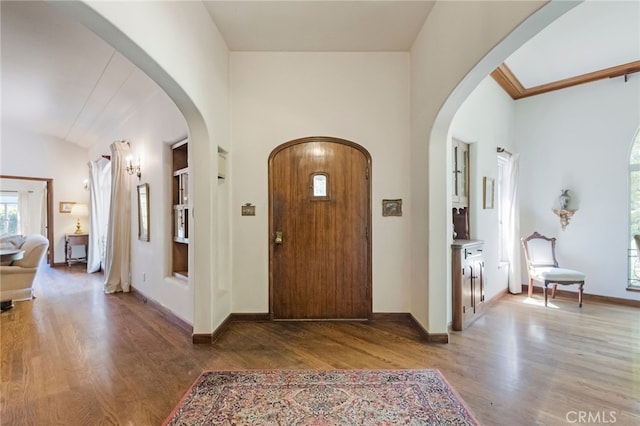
(540, 254)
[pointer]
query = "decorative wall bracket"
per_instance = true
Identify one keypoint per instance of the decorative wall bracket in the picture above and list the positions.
(565, 216)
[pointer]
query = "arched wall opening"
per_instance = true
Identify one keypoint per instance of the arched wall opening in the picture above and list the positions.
(439, 160)
(126, 27)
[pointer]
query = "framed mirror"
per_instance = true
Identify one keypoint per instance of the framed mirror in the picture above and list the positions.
(143, 212)
(488, 190)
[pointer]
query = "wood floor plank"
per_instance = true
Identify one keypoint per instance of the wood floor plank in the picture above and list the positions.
(76, 356)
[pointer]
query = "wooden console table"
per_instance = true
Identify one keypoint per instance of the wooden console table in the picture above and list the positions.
(71, 240)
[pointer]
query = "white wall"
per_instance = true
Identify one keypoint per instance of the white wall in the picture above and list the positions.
(151, 130)
(579, 138)
(361, 97)
(486, 120)
(37, 155)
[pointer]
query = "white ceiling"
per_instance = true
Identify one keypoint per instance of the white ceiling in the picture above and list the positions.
(312, 26)
(61, 80)
(590, 37)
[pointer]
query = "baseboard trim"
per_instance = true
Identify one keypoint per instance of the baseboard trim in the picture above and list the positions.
(233, 317)
(243, 317)
(217, 332)
(206, 338)
(240, 317)
(201, 339)
(496, 298)
(408, 318)
(163, 311)
(392, 316)
(586, 297)
(430, 337)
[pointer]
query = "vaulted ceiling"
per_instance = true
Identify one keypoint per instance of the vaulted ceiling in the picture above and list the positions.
(61, 80)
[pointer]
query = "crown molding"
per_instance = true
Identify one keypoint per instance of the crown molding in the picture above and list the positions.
(510, 83)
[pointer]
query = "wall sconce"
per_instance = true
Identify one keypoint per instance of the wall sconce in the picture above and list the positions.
(566, 209)
(131, 168)
(85, 184)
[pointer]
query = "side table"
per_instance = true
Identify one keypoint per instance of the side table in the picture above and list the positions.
(75, 240)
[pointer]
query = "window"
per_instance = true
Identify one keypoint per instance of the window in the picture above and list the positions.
(319, 186)
(634, 213)
(8, 213)
(460, 168)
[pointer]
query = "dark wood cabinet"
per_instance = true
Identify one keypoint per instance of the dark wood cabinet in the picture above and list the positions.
(468, 282)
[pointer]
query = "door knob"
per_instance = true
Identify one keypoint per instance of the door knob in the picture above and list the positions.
(278, 239)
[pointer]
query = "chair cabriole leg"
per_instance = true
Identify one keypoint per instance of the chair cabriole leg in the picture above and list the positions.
(580, 295)
(546, 285)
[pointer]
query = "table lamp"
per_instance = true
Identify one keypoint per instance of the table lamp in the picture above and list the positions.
(79, 210)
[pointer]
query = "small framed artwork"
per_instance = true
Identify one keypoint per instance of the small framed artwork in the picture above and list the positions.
(248, 210)
(488, 192)
(66, 206)
(392, 207)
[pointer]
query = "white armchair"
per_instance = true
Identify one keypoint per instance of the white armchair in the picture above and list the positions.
(16, 279)
(540, 254)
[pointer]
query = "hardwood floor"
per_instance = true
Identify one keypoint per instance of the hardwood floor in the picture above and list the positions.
(75, 356)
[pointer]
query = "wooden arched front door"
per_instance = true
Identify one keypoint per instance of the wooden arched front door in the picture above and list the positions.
(320, 230)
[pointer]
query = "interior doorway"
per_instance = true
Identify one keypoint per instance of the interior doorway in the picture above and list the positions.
(320, 228)
(47, 219)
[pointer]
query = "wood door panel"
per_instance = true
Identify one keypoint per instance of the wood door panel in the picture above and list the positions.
(322, 268)
(467, 292)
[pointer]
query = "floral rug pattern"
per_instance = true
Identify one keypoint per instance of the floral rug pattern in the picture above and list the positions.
(335, 397)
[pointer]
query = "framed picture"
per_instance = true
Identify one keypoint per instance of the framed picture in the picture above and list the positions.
(392, 207)
(66, 206)
(488, 192)
(143, 212)
(248, 210)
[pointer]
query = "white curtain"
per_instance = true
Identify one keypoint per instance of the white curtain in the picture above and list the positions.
(99, 200)
(30, 218)
(23, 213)
(118, 253)
(511, 218)
(44, 225)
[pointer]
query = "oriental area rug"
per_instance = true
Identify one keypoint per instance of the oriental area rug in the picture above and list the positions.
(311, 397)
